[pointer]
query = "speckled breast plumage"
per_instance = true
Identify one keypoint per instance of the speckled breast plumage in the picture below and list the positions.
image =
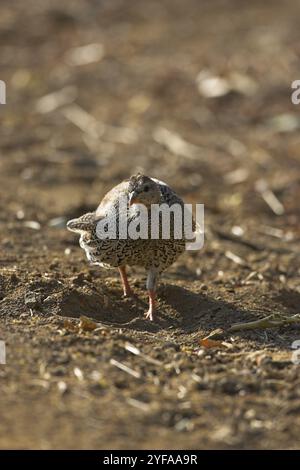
(148, 253)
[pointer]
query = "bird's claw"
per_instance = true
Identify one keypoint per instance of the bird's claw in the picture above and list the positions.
(149, 315)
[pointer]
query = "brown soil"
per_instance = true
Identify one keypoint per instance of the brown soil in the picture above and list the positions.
(61, 386)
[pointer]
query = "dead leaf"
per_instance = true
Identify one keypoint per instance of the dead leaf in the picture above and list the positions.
(86, 324)
(211, 343)
(70, 326)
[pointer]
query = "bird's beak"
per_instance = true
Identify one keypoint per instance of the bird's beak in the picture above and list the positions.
(133, 198)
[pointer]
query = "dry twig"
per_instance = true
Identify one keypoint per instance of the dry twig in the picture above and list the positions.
(275, 320)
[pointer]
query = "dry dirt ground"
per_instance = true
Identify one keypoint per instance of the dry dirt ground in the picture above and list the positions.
(62, 386)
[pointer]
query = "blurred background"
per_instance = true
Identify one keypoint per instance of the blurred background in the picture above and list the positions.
(196, 93)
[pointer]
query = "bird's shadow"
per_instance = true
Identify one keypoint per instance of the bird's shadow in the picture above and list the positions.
(198, 314)
(192, 311)
(189, 313)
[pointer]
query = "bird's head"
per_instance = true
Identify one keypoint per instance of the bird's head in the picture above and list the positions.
(143, 190)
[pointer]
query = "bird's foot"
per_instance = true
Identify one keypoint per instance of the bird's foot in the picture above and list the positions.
(128, 292)
(149, 314)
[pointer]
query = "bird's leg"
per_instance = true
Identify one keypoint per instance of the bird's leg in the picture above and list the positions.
(126, 287)
(151, 310)
(151, 286)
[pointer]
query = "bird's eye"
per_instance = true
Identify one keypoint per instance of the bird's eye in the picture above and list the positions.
(146, 189)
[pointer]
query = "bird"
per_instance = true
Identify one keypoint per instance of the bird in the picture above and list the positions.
(155, 255)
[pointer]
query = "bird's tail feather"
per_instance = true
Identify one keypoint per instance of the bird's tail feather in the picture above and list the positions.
(85, 223)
